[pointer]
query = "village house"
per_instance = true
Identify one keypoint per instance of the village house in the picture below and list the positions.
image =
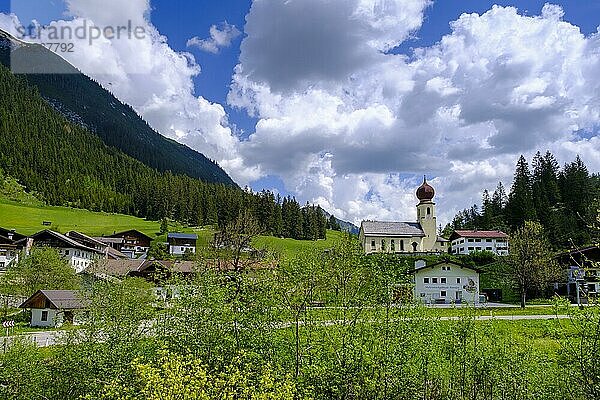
(406, 237)
(182, 243)
(133, 243)
(156, 272)
(9, 250)
(470, 241)
(582, 274)
(79, 256)
(445, 282)
(90, 242)
(53, 308)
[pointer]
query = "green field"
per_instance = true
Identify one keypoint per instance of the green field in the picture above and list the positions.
(288, 247)
(28, 219)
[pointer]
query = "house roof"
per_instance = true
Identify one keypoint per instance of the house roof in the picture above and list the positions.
(446, 262)
(65, 239)
(478, 234)
(123, 268)
(109, 240)
(115, 254)
(189, 236)
(80, 236)
(15, 236)
(132, 231)
(392, 228)
(59, 299)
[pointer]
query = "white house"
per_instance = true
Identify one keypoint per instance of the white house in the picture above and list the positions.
(79, 256)
(445, 283)
(467, 242)
(406, 237)
(9, 250)
(53, 308)
(182, 243)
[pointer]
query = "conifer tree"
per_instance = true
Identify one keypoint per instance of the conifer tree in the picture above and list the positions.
(521, 207)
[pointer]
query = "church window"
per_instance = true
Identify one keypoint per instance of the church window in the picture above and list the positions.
(428, 211)
(402, 245)
(415, 245)
(373, 245)
(383, 244)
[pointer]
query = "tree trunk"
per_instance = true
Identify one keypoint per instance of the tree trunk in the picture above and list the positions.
(523, 296)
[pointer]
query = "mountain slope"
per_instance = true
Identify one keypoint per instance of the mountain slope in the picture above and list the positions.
(85, 102)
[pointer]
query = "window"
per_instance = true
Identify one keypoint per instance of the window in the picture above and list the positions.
(434, 280)
(66, 252)
(470, 240)
(442, 280)
(477, 240)
(382, 244)
(428, 211)
(393, 245)
(183, 249)
(471, 248)
(489, 248)
(373, 245)
(402, 245)
(44, 316)
(488, 240)
(443, 293)
(457, 280)
(425, 280)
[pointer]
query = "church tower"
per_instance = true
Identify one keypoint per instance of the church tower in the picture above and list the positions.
(426, 215)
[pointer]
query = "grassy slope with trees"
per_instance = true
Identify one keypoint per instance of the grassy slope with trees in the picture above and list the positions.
(64, 164)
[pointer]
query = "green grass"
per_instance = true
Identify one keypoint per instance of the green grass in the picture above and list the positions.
(289, 247)
(28, 219)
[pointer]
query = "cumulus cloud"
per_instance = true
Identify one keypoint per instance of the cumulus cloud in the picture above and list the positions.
(149, 75)
(357, 123)
(220, 37)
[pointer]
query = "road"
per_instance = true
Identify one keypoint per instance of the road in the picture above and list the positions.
(50, 338)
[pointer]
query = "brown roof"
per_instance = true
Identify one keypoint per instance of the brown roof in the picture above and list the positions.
(125, 267)
(479, 234)
(59, 300)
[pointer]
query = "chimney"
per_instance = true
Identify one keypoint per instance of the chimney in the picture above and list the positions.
(420, 264)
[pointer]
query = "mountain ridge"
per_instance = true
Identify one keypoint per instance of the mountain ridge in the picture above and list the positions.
(84, 101)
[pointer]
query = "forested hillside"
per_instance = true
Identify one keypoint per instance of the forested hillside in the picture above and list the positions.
(67, 165)
(85, 102)
(564, 201)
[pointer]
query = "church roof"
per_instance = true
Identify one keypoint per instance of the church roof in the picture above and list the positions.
(392, 228)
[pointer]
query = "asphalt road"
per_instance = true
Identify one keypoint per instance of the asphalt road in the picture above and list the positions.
(50, 338)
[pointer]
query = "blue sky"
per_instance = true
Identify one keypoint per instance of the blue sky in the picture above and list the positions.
(343, 119)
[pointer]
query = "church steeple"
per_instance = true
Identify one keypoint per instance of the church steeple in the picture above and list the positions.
(426, 215)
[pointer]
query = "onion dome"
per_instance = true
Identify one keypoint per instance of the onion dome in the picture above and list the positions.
(425, 192)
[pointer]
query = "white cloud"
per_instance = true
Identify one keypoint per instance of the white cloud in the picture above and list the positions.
(220, 37)
(356, 124)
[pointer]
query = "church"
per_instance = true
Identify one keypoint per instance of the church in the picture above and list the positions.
(406, 237)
